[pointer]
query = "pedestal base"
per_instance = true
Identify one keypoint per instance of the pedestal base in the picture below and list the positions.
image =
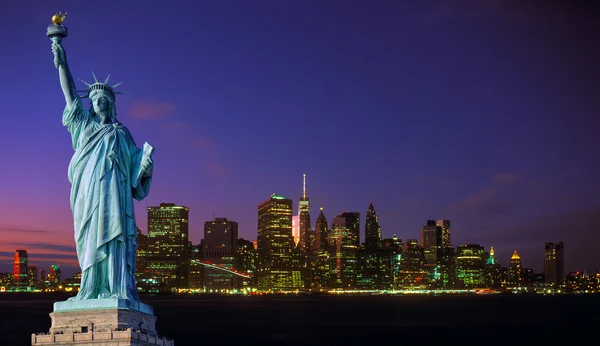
(109, 322)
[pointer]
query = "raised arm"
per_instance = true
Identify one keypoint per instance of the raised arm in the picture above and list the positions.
(66, 79)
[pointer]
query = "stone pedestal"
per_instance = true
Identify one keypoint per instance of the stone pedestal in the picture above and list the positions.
(109, 322)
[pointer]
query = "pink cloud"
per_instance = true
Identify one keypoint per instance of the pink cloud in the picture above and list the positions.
(218, 170)
(488, 200)
(203, 143)
(177, 126)
(506, 178)
(151, 110)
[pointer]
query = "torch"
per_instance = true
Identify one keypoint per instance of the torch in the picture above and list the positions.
(56, 31)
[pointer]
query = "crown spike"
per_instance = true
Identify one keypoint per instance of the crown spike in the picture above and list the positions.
(116, 85)
(84, 82)
(95, 79)
(106, 80)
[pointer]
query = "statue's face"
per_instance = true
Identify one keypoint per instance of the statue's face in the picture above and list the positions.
(101, 102)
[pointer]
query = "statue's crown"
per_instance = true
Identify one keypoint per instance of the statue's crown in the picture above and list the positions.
(99, 86)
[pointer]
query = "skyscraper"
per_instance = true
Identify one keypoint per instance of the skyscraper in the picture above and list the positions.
(372, 229)
(344, 241)
(320, 271)
(373, 261)
(32, 276)
(304, 225)
(321, 231)
(296, 229)
(54, 275)
(220, 245)
(445, 225)
(141, 254)
(20, 275)
(495, 275)
(554, 263)
(305, 244)
(277, 269)
(470, 266)
(247, 258)
(431, 242)
(168, 245)
(411, 272)
(515, 278)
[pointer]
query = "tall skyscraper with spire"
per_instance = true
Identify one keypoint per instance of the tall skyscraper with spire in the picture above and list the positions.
(515, 278)
(304, 213)
(321, 232)
(495, 274)
(492, 258)
(320, 271)
(372, 229)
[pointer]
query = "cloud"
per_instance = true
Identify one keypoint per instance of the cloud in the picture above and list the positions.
(177, 126)
(151, 110)
(40, 256)
(506, 178)
(487, 201)
(44, 246)
(217, 169)
(203, 143)
(23, 230)
(529, 235)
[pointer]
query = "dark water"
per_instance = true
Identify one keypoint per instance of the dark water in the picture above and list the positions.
(334, 320)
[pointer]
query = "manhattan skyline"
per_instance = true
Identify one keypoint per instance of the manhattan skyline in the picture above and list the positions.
(483, 113)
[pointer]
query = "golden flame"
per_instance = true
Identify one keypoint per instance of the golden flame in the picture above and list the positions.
(58, 18)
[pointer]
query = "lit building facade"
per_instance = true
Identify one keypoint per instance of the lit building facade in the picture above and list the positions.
(304, 220)
(277, 267)
(296, 229)
(320, 269)
(495, 274)
(431, 242)
(305, 244)
(373, 261)
(20, 270)
(411, 272)
(32, 276)
(247, 258)
(344, 241)
(372, 229)
(220, 246)
(470, 265)
(196, 269)
(445, 225)
(168, 246)
(515, 275)
(446, 269)
(142, 276)
(54, 275)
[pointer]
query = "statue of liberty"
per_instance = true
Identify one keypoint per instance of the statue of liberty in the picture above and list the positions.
(106, 172)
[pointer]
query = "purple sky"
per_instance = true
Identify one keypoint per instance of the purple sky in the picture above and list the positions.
(482, 112)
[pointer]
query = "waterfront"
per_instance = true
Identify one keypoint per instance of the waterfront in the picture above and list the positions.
(339, 320)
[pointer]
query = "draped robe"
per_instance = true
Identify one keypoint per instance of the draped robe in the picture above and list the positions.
(105, 177)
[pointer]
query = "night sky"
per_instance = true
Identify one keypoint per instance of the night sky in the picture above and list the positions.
(482, 112)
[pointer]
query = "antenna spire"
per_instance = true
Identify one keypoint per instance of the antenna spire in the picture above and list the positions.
(304, 185)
